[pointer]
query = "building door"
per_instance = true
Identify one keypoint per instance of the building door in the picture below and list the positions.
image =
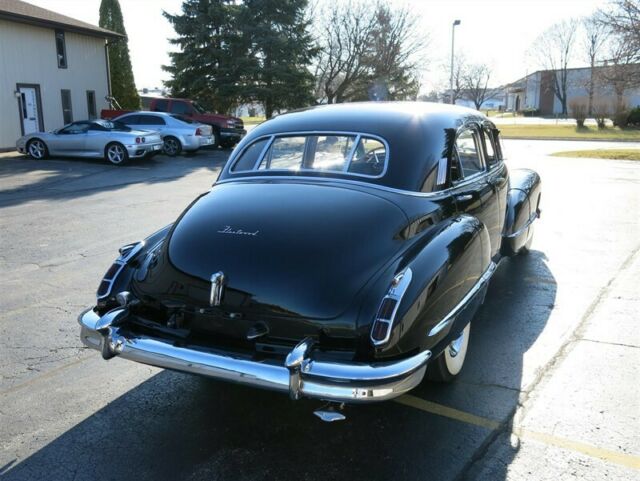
(29, 114)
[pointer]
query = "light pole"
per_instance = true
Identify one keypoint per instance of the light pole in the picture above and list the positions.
(453, 32)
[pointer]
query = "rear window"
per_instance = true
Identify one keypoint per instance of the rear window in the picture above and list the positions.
(332, 152)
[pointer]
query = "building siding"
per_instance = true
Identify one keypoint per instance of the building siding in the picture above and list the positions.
(28, 56)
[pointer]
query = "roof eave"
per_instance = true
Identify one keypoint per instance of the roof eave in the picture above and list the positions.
(107, 34)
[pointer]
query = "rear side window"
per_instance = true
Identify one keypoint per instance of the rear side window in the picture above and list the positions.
(345, 153)
(161, 105)
(490, 146)
(250, 156)
(467, 152)
(151, 120)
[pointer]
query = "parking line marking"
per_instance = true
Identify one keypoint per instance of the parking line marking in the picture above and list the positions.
(622, 459)
(447, 412)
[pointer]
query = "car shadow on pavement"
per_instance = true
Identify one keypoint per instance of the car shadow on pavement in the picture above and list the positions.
(23, 179)
(180, 427)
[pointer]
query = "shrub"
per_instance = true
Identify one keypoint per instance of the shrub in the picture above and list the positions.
(620, 114)
(600, 111)
(578, 110)
(633, 120)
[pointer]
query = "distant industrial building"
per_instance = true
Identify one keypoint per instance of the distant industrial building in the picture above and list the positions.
(535, 92)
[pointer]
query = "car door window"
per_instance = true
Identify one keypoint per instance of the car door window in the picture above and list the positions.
(180, 108)
(151, 120)
(130, 119)
(76, 128)
(467, 154)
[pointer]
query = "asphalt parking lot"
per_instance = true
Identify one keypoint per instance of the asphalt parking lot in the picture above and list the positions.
(549, 389)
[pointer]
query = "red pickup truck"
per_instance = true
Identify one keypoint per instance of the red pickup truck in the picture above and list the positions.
(227, 131)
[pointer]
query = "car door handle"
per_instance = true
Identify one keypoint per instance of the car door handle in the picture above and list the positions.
(497, 181)
(464, 197)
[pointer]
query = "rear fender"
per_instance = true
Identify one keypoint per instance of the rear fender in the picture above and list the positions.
(523, 208)
(445, 265)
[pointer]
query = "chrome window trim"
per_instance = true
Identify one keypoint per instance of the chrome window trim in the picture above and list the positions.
(272, 137)
(474, 128)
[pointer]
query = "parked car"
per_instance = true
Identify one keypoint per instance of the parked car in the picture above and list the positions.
(227, 131)
(177, 133)
(341, 254)
(113, 141)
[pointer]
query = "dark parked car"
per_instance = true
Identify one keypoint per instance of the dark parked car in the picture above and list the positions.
(341, 254)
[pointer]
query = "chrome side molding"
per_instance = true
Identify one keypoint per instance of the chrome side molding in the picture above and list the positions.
(449, 318)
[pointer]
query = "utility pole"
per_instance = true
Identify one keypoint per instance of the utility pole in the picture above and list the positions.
(453, 32)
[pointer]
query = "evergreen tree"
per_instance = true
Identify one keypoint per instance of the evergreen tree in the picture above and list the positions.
(123, 86)
(212, 56)
(281, 50)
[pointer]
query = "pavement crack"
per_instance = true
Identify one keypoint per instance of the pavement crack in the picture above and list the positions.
(521, 407)
(609, 343)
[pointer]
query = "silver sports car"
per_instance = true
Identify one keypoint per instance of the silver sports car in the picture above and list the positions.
(108, 139)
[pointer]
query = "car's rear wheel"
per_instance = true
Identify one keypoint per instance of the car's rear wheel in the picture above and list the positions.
(116, 154)
(447, 366)
(37, 149)
(172, 146)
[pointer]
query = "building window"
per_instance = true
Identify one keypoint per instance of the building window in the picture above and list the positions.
(67, 113)
(91, 104)
(61, 49)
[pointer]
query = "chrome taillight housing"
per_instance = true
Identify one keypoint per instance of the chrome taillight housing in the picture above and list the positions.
(382, 325)
(127, 253)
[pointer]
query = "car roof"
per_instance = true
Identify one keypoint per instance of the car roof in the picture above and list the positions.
(419, 134)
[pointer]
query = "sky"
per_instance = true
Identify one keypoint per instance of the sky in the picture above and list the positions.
(493, 32)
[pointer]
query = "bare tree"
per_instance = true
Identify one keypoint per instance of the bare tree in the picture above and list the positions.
(554, 50)
(344, 44)
(623, 19)
(367, 51)
(476, 85)
(594, 40)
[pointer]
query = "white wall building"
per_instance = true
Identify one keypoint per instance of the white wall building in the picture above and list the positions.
(53, 70)
(536, 90)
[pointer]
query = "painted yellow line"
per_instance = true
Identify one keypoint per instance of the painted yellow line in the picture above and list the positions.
(622, 459)
(447, 412)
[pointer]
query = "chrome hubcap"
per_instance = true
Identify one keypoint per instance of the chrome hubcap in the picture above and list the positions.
(36, 149)
(456, 352)
(115, 154)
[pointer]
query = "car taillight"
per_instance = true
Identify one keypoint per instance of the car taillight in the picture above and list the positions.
(198, 131)
(381, 329)
(140, 140)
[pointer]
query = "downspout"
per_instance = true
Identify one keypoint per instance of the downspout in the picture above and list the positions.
(106, 60)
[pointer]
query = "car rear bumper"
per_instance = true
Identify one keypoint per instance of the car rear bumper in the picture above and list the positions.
(232, 134)
(300, 375)
(141, 150)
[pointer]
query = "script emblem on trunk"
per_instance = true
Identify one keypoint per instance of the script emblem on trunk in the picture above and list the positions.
(217, 288)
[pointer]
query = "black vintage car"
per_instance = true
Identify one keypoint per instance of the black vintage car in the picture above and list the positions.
(341, 255)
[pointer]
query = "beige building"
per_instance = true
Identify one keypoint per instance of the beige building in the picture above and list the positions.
(53, 70)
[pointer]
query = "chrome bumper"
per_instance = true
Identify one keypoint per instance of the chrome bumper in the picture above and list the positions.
(300, 375)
